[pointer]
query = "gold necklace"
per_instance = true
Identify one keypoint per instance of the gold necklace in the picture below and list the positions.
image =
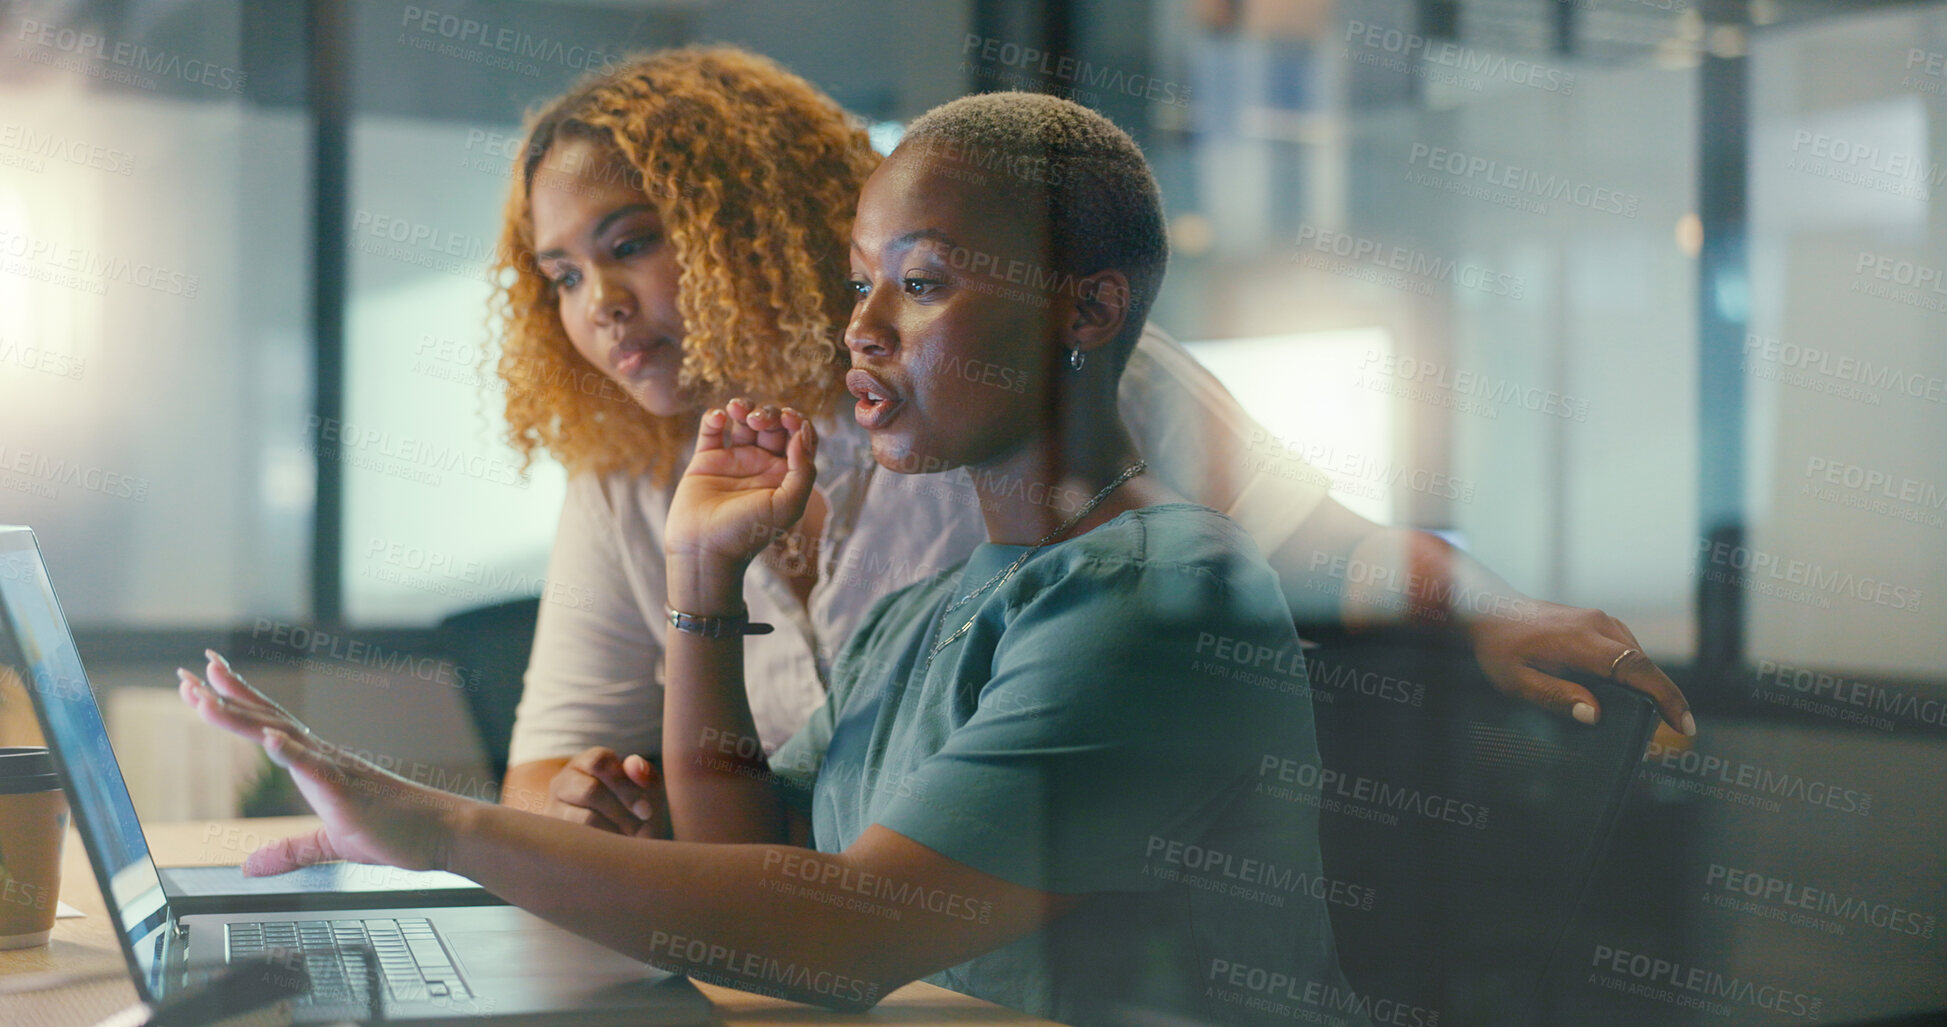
(1133, 469)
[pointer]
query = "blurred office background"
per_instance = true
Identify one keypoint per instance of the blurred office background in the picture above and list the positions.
(1641, 301)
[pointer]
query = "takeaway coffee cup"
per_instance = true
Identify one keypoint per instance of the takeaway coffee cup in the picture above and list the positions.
(33, 823)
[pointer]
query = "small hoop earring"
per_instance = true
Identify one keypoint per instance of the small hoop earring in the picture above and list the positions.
(1075, 358)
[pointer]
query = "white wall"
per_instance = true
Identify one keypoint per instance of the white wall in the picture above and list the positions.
(1850, 82)
(153, 450)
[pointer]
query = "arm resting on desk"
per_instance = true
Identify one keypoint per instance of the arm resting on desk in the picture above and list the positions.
(722, 912)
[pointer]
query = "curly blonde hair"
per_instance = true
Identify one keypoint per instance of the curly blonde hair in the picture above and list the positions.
(756, 173)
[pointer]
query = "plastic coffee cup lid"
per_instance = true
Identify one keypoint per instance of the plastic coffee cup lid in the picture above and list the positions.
(27, 769)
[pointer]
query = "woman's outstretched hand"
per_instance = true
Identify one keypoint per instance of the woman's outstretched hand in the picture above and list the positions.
(369, 814)
(749, 481)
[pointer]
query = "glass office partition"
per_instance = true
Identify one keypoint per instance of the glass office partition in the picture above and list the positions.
(154, 351)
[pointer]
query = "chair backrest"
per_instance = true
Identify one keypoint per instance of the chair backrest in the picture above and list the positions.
(492, 644)
(1466, 823)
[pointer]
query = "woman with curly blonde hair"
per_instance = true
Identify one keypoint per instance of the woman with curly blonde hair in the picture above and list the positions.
(679, 228)
(761, 317)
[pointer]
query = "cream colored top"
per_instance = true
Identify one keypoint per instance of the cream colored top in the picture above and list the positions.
(595, 677)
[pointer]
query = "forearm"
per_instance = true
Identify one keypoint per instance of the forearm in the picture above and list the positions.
(711, 911)
(526, 786)
(1343, 569)
(1341, 572)
(1403, 576)
(719, 783)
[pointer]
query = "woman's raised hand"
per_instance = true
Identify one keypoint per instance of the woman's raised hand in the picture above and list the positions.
(749, 481)
(369, 814)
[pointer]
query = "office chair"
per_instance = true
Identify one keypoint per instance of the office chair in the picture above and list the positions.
(1475, 820)
(491, 645)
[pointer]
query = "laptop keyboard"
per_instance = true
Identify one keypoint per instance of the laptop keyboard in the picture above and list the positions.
(349, 960)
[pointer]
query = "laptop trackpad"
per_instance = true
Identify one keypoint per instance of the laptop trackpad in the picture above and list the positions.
(503, 942)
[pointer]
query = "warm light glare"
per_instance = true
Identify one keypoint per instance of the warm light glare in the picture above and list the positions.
(1690, 234)
(1300, 387)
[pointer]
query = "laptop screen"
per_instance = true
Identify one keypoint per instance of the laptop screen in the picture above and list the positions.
(35, 645)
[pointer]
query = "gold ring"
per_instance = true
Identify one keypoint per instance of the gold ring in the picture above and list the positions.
(1617, 662)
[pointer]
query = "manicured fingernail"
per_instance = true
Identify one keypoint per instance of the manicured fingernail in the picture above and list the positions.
(1583, 712)
(641, 809)
(1689, 725)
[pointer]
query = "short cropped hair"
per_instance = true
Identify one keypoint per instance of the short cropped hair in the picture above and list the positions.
(1104, 209)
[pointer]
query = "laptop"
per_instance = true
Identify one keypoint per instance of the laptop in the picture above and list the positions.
(383, 963)
(225, 889)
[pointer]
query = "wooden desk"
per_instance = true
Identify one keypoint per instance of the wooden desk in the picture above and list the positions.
(87, 943)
